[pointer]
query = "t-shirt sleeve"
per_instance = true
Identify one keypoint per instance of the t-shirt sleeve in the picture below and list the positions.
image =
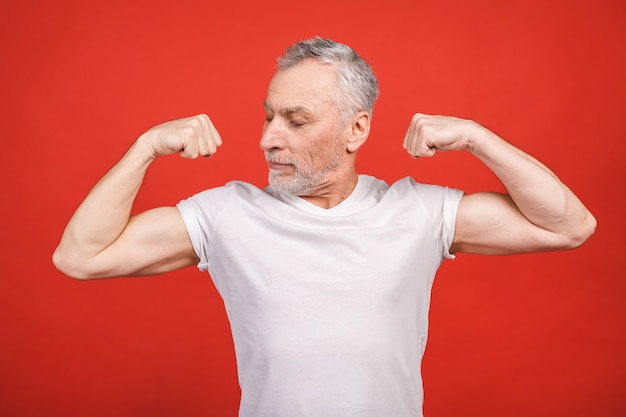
(200, 213)
(451, 199)
(441, 204)
(186, 209)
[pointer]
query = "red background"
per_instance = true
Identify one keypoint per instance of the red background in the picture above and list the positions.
(532, 335)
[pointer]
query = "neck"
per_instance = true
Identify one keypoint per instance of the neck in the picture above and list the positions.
(332, 193)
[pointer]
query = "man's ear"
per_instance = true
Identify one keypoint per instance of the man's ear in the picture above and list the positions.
(360, 130)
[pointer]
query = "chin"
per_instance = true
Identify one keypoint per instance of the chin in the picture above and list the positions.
(291, 186)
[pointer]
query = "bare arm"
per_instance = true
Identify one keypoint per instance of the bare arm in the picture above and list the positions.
(539, 213)
(102, 239)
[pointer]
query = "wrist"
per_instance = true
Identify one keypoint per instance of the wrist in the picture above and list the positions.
(479, 139)
(140, 154)
(143, 148)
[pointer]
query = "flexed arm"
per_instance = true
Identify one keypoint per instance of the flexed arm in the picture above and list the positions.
(539, 213)
(102, 239)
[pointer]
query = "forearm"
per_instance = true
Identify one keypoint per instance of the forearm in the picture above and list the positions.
(105, 212)
(102, 240)
(536, 191)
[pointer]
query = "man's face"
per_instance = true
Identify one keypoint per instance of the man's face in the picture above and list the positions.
(303, 136)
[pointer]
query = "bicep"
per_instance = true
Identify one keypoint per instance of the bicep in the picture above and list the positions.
(154, 242)
(491, 224)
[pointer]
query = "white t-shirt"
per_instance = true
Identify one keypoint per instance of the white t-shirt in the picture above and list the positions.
(328, 307)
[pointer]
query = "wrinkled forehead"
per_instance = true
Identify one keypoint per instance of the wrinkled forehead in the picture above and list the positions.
(309, 81)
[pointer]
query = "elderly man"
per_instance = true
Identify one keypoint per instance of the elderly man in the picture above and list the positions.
(325, 274)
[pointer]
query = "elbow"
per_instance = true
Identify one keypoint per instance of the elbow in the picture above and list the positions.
(70, 266)
(581, 232)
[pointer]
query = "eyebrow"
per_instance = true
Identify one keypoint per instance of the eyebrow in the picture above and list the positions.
(289, 110)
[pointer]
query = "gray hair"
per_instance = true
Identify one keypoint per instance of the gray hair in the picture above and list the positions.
(357, 84)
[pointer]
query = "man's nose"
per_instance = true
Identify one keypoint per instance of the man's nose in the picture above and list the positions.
(272, 136)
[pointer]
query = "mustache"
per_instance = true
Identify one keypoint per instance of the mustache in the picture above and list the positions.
(274, 158)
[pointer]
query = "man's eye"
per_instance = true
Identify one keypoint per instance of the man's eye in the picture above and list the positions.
(296, 123)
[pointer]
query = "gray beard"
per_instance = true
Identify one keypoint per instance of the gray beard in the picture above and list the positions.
(297, 184)
(302, 183)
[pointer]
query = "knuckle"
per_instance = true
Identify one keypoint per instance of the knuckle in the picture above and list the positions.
(188, 131)
(424, 129)
(195, 123)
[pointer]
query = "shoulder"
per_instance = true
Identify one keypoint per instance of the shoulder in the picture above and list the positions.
(239, 195)
(431, 198)
(426, 191)
(240, 189)
(217, 199)
(407, 189)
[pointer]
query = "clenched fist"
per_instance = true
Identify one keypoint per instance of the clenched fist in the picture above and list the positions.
(191, 137)
(428, 134)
